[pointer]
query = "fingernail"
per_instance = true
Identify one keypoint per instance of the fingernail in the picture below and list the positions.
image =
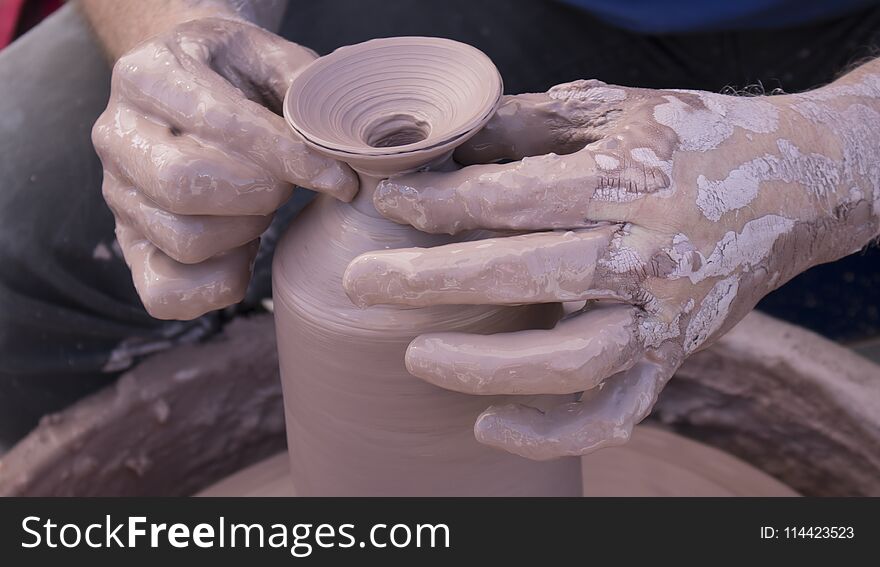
(511, 428)
(382, 277)
(418, 357)
(489, 426)
(352, 283)
(397, 202)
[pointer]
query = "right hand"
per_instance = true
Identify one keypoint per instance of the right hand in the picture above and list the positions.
(680, 209)
(197, 159)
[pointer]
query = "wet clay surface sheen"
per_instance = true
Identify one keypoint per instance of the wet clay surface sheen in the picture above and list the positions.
(358, 422)
(197, 160)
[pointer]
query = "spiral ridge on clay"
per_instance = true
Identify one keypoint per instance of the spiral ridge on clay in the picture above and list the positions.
(394, 95)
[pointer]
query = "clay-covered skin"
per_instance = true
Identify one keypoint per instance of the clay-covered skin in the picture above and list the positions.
(671, 212)
(197, 159)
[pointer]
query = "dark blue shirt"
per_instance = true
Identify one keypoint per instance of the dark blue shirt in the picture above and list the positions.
(663, 16)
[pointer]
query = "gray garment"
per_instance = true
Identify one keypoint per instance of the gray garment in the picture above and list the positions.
(70, 320)
(64, 304)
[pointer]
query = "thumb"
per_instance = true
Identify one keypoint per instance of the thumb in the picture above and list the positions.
(563, 120)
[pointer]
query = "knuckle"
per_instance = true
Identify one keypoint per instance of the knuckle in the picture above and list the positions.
(135, 73)
(160, 303)
(189, 184)
(109, 192)
(101, 135)
(125, 66)
(132, 63)
(186, 251)
(174, 182)
(195, 241)
(153, 297)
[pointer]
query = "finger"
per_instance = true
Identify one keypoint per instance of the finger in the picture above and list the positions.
(541, 267)
(561, 121)
(179, 174)
(186, 239)
(171, 290)
(169, 83)
(537, 193)
(604, 417)
(576, 355)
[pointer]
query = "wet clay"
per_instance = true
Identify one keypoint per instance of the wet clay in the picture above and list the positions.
(358, 422)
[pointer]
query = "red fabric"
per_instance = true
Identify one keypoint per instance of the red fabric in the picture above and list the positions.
(10, 11)
(18, 16)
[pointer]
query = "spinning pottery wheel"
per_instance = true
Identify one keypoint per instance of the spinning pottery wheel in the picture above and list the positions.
(654, 462)
(771, 404)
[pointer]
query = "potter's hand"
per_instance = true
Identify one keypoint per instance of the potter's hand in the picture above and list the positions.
(679, 210)
(196, 159)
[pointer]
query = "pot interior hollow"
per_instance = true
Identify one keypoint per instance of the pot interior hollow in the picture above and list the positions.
(386, 97)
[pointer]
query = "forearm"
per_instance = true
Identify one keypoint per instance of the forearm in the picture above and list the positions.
(841, 122)
(122, 25)
(813, 169)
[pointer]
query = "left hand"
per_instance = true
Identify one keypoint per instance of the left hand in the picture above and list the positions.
(678, 210)
(196, 161)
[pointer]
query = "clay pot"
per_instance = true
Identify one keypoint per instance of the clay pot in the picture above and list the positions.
(357, 422)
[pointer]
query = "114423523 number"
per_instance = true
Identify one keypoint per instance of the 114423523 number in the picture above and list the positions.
(818, 532)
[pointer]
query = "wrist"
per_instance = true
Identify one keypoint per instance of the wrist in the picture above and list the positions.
(830, 143)
(165, 23)
(120, 26)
